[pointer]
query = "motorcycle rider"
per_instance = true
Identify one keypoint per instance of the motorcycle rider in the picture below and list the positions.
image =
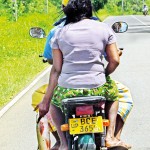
(125, 98)
(145, 9)
(50, 60)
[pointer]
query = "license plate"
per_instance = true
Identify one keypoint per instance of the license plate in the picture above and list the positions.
(86, 125)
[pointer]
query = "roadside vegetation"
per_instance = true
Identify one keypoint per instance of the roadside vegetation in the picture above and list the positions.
(19, 61)
(116, 8)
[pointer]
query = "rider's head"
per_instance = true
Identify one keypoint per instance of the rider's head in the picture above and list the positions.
(77, 10)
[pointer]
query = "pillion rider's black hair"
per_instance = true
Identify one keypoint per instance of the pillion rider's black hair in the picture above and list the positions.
(77, 10)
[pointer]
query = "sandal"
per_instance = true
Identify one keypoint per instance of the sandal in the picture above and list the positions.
(117, 148)
(127, 145)
(119, 144)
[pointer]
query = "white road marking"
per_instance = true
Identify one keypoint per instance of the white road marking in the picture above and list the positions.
(15, 99)
(137, 27)
(140, 21)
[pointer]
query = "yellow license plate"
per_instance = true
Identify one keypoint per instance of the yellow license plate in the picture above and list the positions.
(86, 125)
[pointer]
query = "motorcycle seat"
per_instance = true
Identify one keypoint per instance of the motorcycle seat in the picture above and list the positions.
(88, 100)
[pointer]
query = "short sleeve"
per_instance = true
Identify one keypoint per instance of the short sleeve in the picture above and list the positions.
(111, 36)
(54, 41)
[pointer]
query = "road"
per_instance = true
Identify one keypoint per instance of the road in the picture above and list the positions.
(134, 71)
(17, 125)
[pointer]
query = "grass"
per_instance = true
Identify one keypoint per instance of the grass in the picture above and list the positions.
(19, 61)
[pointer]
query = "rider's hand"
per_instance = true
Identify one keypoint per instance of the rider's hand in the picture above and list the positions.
(43, 108)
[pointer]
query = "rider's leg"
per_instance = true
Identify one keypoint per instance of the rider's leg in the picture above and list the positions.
(58, 119)
(52, 129)
(119, 127)
(125, 107)
(57, 144)
(111, 111)
(118, 131)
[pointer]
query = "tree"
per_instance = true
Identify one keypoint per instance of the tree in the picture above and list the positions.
(98, 4)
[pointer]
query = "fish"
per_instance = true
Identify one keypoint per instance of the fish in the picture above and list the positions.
(43, 134)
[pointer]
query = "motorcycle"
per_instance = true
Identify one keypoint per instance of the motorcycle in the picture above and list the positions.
(145, 12)
(85, 120)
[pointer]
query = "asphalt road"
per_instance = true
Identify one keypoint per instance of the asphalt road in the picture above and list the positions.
(17, 125)
(134, 71)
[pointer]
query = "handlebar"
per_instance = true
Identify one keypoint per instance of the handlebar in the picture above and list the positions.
(121, 49)
(44, 59)
(40, 55)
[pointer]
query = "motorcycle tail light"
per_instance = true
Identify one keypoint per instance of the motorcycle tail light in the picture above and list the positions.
(84, 110)
(106, 122)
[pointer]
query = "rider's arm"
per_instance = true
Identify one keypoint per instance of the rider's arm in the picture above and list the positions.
(54, 74)
(112, 58)
(119, 53)
(53, 80)
(57, 65)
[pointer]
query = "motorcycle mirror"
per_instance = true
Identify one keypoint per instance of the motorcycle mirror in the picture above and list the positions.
(120, 27)
(37, 32)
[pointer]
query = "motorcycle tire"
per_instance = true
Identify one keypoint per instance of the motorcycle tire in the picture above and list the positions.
(86, 142)
(75, 145)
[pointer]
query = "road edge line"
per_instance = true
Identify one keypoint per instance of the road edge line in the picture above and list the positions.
(106, 18)
(16, 98)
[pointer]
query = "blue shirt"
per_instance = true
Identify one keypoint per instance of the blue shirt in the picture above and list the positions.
(48, 50)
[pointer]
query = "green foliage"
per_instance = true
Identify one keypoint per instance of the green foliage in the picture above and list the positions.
(128, 7)
(19, 61)
(56, 3)
(22, 7)
(98, 4)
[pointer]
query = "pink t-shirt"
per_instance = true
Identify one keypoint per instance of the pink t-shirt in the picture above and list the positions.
(83, 45)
